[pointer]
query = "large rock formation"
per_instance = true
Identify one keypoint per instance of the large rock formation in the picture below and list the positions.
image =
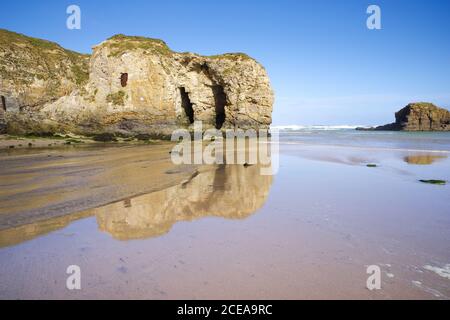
(129, 85)
(422, 116)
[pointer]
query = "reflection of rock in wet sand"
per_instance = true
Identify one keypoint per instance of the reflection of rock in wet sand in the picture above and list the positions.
(230, 191)
(423, 159)
(16, 235)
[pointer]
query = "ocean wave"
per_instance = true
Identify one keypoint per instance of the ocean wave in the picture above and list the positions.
(295, 127)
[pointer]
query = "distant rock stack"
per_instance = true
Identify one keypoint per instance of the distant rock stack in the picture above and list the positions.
(422, 116)
(128, 86)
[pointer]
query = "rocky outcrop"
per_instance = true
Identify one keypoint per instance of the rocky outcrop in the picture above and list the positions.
(128, 86)
(421, 116)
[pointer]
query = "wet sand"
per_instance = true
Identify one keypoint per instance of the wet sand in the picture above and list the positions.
(44, 183)
(225, 232)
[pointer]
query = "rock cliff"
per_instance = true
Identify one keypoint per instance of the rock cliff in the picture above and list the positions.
(36, 72)
(128, 86)
(422, 116)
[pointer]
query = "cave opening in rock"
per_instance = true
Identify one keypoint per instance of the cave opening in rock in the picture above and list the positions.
(123, 79)
(186, 104)
(220, 100)
(3, 103)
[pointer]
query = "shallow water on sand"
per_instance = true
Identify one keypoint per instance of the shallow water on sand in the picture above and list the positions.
(228, 232)
(390, 140)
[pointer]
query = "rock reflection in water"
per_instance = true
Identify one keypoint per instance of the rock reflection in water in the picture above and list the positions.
(16, 235)
(228, 191)
(423, 159)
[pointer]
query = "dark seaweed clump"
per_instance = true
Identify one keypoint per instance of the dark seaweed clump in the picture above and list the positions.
(432, 181)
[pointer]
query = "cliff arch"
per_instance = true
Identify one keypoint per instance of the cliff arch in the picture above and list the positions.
(220, 101)
(186, 105)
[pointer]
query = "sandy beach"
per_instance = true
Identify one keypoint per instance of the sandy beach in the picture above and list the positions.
(225, 159)
(140, 227)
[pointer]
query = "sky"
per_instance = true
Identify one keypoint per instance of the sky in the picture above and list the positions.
(325, 65)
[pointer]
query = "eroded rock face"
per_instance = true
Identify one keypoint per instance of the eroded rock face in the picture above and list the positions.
(421, 116)
(35, 72)
(137, 86)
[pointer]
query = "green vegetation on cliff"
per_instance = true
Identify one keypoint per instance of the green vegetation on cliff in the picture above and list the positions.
(117, 99)
(119, 44)
(25, 59)
(231, 56)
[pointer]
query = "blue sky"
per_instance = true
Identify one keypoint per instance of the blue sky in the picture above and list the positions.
(325, 66)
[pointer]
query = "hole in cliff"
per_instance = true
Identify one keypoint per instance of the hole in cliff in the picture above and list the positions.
(124, 79)
(3, 103)
(187, 105)
(220, 100)
(205, 68)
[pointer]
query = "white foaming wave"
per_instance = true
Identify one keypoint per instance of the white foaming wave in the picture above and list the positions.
(295, 127)
(443, 272)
